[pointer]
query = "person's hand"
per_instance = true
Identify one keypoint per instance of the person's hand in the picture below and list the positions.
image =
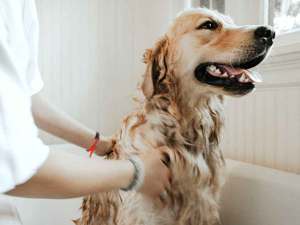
(104, 146)
(157, 174)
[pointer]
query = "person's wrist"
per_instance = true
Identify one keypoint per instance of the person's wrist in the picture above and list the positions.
(88, 139)
(94, 144)
(138, 176)
(129, 176)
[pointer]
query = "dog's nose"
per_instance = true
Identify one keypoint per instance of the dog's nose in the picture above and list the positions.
(265, 35)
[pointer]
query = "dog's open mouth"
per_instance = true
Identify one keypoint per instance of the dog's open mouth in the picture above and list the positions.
(237, 74)
(239, 79)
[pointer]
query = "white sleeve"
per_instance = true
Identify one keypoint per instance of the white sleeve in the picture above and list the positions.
(21, 151)
(31, 26)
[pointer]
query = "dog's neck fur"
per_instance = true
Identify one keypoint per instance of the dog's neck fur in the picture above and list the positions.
(201, 125)
(203, 121)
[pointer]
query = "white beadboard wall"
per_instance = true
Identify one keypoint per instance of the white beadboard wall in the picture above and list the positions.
(91, 54)
(91, 62)
(264, 127)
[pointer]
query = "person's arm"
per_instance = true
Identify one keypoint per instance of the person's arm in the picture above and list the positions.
(50, 119)
(66, 175)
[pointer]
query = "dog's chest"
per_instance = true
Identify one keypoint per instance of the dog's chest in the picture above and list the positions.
(195, 175)
(149, 132)
(194, 171)
(142, 132)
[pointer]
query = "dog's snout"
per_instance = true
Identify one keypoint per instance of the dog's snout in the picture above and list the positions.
(264, 35)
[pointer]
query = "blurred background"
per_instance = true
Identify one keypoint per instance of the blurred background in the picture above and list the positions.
(91, 62)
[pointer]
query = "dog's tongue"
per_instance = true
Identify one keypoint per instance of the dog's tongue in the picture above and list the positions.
(232, 71)
(253, 75)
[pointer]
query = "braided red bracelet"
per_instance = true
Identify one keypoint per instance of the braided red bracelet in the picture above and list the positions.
(92, 148)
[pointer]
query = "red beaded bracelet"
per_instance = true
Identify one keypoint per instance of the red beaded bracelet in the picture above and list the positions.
(92, 148)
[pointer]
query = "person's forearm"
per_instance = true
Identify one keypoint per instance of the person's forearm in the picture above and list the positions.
(50, 119)
(67, 175)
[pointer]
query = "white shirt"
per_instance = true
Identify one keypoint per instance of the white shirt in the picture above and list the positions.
(21, 151)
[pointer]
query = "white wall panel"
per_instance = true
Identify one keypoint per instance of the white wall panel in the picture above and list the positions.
(91, 54)
(264, 127)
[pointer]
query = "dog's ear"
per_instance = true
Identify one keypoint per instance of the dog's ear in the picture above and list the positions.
(157, 69)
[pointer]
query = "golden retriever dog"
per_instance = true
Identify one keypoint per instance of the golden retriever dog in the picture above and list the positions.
(202, 57)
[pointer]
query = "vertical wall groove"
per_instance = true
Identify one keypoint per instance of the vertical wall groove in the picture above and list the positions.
(268, 131)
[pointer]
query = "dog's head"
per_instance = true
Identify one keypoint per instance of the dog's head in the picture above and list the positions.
(204, 51)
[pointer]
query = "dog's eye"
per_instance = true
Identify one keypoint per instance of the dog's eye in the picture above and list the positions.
(208, 25)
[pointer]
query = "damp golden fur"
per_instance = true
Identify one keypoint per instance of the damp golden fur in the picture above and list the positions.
(183, 115)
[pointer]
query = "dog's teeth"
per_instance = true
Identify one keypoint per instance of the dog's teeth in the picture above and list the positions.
(242, 78)
(231, 76)
(225, 74)
(218, 71)
(212, 68)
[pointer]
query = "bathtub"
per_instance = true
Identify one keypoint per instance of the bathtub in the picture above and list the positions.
(255, 195)
(252, 195)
